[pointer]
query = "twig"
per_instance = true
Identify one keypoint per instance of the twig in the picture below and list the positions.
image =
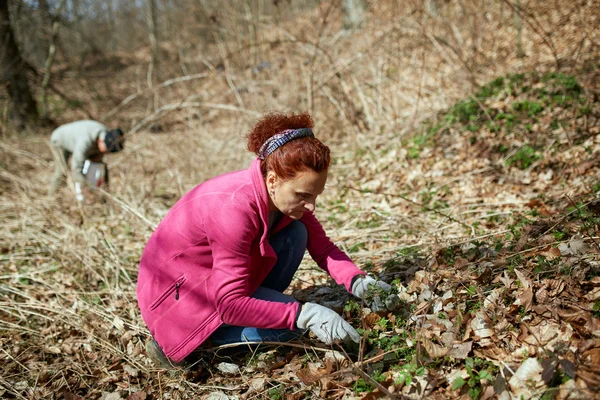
(548, 42)
(177, 106)
(166, 83)
(11, 389)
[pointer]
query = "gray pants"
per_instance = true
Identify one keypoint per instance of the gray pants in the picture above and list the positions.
(61, 157)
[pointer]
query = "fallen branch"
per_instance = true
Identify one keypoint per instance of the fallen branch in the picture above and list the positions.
(166, 83)
(178, 106)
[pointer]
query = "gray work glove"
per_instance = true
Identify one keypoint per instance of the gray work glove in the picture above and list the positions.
(78, 193)
(376, 294)
(326, 324)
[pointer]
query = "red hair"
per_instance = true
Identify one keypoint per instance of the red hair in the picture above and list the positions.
(307, 153)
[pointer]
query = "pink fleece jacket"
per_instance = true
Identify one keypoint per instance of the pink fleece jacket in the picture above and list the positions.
(210, 253)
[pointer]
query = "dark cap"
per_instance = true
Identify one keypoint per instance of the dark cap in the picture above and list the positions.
(114, 140)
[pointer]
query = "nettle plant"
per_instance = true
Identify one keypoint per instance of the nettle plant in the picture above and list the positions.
(481, 373)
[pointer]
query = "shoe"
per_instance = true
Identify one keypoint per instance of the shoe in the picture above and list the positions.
(154, 351)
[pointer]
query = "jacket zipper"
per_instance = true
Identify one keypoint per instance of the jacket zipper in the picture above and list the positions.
(167, 293)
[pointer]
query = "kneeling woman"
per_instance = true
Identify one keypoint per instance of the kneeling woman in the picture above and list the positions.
(217, 265)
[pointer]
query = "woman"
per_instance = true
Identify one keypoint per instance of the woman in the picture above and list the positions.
(216, 267)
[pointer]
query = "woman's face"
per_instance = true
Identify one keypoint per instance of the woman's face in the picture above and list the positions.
(295, 196)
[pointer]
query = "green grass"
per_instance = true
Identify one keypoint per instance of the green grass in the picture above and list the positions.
(524, 157)
(523, 100)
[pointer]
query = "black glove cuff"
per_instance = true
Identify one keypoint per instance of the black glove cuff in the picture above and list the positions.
(298, 315)
(355, 278)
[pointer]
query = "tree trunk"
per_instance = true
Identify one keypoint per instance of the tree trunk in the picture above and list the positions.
(519, 26)
(44, 12)
(13, 73)
(50, 61)
(75, 7)
(152, 18)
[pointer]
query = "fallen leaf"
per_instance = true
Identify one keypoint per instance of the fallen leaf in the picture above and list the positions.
(525, 282)
(549, 368)
(575, 247)
(481, 325)
(456, 374)
(258, 384)
(485, 277)
(130, 370)
(434, 350)
(228, 368)
(460, 350)
(118, 323)
(506, 280)
(112, 396)
(52, 349)
(568, 368)
(307, 377)
(524, 299)
(526, 379)
(137, 396)
(593, 295)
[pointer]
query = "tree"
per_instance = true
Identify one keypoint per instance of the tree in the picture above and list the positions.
(50, 61)
(14, 76)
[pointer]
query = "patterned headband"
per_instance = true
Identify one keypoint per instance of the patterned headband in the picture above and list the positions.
(281, 138)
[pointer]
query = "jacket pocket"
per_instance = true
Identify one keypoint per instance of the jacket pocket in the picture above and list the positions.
(172, 290)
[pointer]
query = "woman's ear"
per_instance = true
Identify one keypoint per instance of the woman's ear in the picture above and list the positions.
(271, 181)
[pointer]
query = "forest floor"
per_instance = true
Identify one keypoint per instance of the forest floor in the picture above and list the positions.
(482, 210)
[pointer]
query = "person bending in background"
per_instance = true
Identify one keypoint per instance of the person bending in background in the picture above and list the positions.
(81, 141)
(215, 269)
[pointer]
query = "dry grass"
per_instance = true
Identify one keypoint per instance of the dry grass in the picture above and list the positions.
(70, 323)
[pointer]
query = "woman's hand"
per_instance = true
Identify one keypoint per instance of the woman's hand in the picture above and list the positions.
(326, 324)
(376, 294)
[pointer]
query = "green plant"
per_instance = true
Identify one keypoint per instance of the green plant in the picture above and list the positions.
(448, 255)
(514, 262)
(357, 247)
(501, 148)
(480, 372)
(360, 386)
(545, 265)
(403, 252)
(596, 309)
(352, 306)
(568, 82)
(491, 89)
(524, 157)
(379, 376)
(473, 306)
(407, 372)
(466, 111)
(530, 107)
(276, 393)
(414, 152)
(373, 222)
